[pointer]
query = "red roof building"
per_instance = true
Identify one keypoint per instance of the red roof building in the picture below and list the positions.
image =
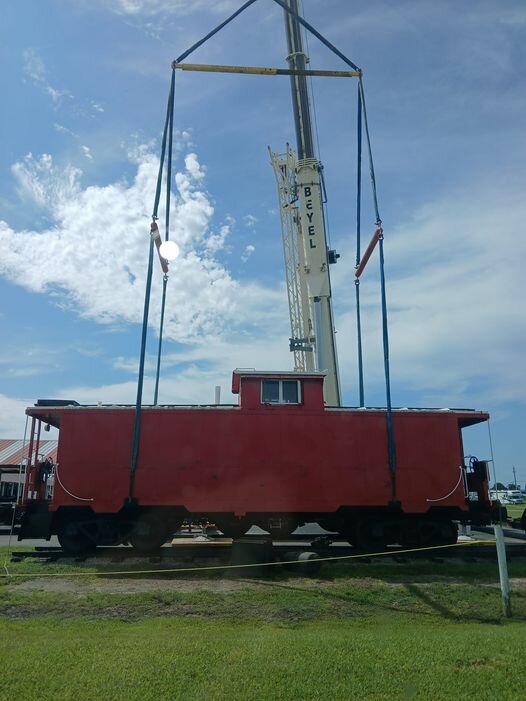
(13, 454)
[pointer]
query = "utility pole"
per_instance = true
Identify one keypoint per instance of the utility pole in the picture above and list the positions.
(515, 478)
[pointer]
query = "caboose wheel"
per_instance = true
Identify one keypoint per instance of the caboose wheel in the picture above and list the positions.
(448, 533)
(367, 534)
(148, 534)
(74, 537)
(425, 533)
(233, 527)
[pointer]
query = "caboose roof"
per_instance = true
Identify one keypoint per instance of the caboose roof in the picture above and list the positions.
(272, 374)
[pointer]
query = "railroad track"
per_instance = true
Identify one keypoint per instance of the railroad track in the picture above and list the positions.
(220, 552)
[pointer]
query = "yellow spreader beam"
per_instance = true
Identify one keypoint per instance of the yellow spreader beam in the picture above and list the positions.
(256, 70)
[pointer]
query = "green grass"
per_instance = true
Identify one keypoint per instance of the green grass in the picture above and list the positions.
(515, 510)
(458, 589)
(411, 630)
(159, 659)
(292, 601)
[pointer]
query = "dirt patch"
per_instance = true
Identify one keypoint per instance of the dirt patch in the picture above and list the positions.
(180, 583)
(135, 585)
(120, 612)
(129, 585)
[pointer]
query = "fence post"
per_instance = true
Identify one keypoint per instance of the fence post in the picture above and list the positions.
(503, 571)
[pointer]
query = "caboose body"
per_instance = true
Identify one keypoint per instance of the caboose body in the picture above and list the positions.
(278, 459)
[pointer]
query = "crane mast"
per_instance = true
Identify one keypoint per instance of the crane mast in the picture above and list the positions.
(304, 235)
(301, 326)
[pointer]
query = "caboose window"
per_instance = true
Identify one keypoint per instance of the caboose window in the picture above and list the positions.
(270, 391)
(280, 392)
(290, 391)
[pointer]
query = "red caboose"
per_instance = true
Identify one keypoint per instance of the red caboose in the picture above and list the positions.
(278, 459)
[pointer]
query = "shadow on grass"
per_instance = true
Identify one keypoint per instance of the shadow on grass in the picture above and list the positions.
(390, 571)
(208, 566)
(371, 602)
(448, 613)
(448, 589)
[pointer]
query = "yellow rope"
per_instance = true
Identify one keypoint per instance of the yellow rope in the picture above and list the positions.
(247, 565)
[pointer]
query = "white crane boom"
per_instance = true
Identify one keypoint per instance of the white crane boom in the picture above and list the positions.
(303, 228)
(301, 324)
(306, 267)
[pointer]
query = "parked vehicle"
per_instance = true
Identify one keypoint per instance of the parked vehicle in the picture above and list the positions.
(515, 496)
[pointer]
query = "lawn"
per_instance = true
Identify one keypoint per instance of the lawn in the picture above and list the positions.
(377, 630)
(515, 510)
(174, 658)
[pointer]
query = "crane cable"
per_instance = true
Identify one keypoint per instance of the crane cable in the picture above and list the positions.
(167, 135)
(358, 246)
(170, 118)
(159, 350)
(362, 117)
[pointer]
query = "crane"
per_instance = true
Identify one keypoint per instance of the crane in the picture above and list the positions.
(306, 254)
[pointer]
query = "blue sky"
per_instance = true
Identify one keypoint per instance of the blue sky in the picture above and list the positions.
(85, 87)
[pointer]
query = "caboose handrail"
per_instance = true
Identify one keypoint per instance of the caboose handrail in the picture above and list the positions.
(73, 496)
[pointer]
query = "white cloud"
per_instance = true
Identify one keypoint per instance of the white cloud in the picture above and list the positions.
(249, 250)
(35, 69)
(173, 7)
(189, 376)
(61, 129)
(30, 359)
(34, 66)
(455, 283)
(193, 166)
(216, 242)
(97, 265)
(87, 152)
(41, 182)
(454, 274)
(12, 419)
(56, 95)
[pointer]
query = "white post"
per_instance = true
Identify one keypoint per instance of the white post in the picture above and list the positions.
(503, 571)
(218, 394)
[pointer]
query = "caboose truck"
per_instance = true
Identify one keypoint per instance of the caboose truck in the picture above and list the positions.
(278, 459)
